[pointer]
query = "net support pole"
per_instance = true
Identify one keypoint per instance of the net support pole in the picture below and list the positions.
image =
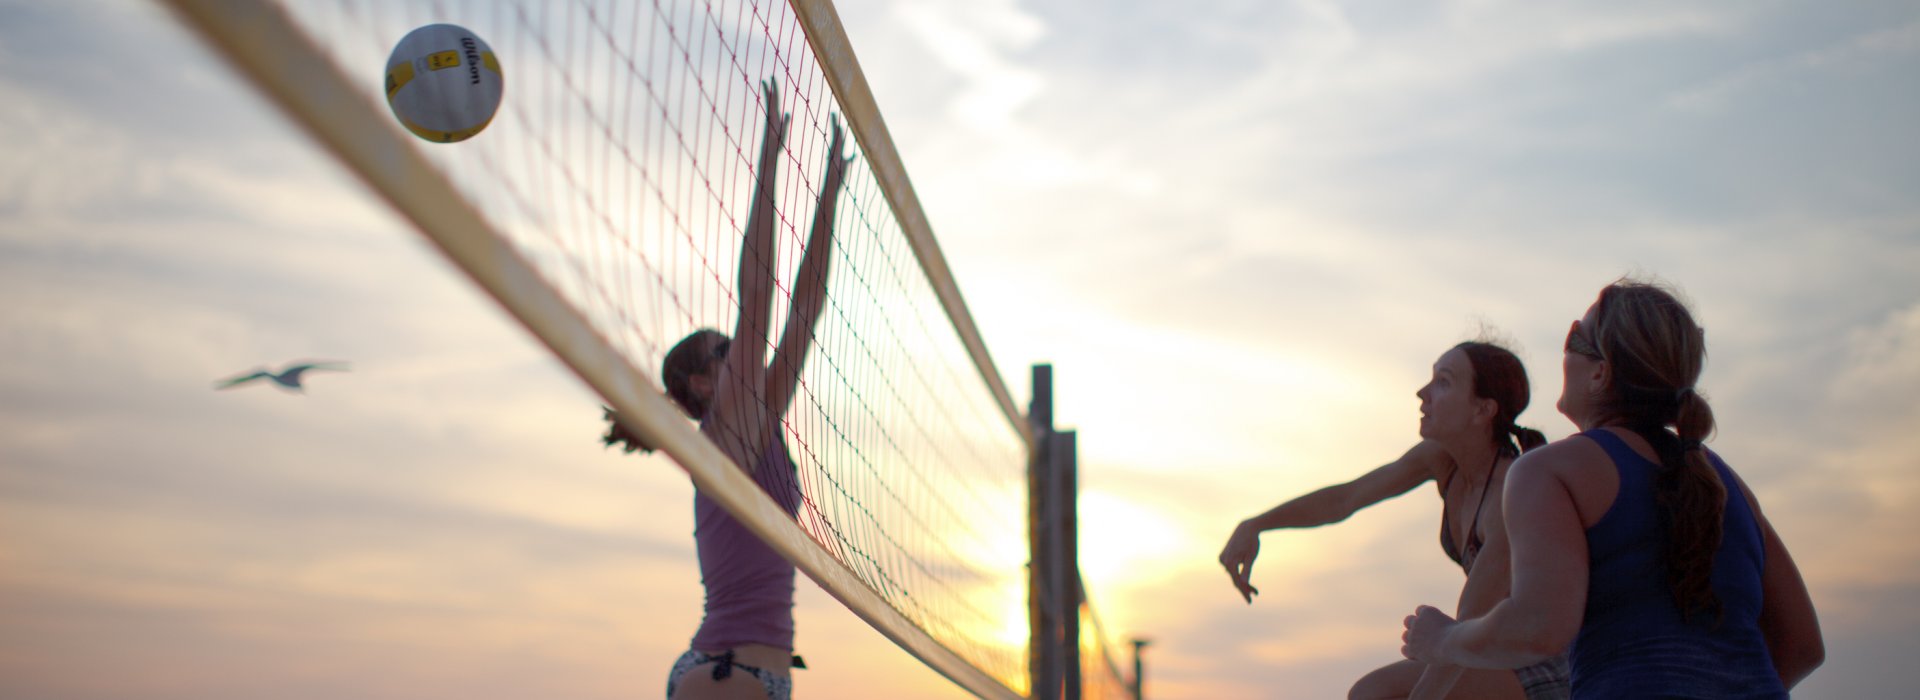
(1061, 450)
(1139, 670)
(1043, 679)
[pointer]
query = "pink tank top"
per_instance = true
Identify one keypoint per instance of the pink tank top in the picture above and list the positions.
(749, 585)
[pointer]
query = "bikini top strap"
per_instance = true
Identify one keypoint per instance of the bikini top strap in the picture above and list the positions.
(1473, 531)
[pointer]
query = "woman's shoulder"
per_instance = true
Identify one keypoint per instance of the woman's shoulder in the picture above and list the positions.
(1575, 466)
(1571, 452)
(1431, 459)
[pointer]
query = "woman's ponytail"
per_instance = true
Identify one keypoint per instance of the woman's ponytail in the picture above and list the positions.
(1527, 437)
(1693, 501)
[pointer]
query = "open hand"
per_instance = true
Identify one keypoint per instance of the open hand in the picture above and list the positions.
(836, 165)
(618, 435)
(775, 136)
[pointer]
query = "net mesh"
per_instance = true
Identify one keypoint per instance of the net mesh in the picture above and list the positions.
(1100, 676)
(621, 167)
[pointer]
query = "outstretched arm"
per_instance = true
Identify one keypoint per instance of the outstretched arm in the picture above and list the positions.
(743, 373)
(1328, 505)
(810, 284)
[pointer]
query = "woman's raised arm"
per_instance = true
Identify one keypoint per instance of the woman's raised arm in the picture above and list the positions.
(810, 283)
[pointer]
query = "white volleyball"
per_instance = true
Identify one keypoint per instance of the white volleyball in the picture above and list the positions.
(443, 83)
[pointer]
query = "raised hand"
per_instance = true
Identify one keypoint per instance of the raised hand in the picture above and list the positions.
(617, 434)
(836, 165)
(775, 136)
(1242, 548)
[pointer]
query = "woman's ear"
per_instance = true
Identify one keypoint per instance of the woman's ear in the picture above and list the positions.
(1599, 377)
(1486, 409)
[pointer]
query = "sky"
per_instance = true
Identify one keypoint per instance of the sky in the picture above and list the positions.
(1241, 232)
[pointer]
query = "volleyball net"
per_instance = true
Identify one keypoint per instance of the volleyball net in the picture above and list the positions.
(604, 207)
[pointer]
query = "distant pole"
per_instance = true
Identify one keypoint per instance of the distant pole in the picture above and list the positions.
(1139, 670)
(1043, 646)
(1066, 486)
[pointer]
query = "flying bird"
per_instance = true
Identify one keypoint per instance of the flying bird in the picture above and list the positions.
(287, 379)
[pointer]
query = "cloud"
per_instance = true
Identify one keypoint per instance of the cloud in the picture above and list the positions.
(969, 40)
(1847, 53)
(986, 91)
(1856, 467)
(76, 167)
(57, 158)
(1884, 363)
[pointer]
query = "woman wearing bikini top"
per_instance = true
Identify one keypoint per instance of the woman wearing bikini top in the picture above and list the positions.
(1468, 437)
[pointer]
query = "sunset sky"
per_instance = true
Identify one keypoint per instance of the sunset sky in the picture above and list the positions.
(1240, 231)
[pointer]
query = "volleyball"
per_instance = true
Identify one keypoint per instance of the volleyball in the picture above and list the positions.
(443, 83)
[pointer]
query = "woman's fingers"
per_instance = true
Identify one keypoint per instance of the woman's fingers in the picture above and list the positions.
(1423, 630)
(1239, 565)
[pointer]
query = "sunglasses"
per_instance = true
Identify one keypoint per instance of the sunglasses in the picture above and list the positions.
(1579, 344)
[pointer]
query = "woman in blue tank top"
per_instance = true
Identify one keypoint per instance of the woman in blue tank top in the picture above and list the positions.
(1632, 541)
(744, 646)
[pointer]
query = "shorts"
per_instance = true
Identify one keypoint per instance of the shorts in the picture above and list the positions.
(1548, 680)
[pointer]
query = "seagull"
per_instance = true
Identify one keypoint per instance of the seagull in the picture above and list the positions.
(288, 379)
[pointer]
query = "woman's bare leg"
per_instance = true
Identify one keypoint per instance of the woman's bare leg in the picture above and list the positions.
(1395, 680)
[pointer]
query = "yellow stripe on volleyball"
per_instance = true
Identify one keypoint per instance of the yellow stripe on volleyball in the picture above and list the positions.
(444, 136)
(398, 78)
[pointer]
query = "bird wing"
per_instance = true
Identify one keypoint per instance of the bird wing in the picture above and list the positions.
(329, 365)
(291, 375)
(242, 379)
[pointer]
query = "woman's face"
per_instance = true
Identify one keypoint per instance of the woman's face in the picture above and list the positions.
(1582, 372)
(1448, 408)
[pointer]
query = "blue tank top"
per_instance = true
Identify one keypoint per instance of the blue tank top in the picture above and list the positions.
(749, 585)
(1633, 642)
